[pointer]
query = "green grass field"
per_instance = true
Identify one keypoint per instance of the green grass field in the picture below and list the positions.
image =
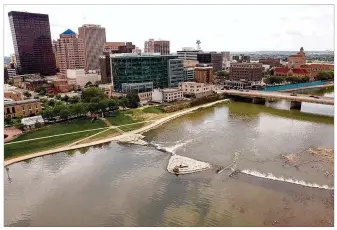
(132, 127)
(153, 110)
(60, 128)
(123, 118)
(18, 149)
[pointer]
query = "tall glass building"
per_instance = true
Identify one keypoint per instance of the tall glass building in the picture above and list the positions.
(32, 43)
(135, 68)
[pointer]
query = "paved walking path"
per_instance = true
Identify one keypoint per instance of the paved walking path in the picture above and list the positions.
(116, 138)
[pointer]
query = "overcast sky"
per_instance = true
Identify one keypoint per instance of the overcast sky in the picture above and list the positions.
(220, 28)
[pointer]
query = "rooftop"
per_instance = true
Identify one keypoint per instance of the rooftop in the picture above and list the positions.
(21, 102)
(170, 90)
(68, 32)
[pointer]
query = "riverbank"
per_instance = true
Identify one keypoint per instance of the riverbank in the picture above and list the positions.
(128, 135)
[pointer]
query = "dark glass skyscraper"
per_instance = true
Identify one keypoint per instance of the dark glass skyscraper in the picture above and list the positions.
(32, 43)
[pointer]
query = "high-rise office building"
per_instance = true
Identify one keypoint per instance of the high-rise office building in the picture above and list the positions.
(32, 43)
(93, 37)
(211, 58)
(70, 51)
(105, 68)
(176, 72)
(135, 68)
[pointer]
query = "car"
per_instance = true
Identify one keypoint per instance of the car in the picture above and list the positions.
(241, 90)
(222, 88)
(293, 94)
(247, 90)
(311, 96)
(316, 97)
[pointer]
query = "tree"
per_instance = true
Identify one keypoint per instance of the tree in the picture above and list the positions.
(74, 99)
(292, 79)
(95, 100)
(77, 109)
(8, 121)
(64, 113)
(92, 92)
(325, 76)
(48, 113)
(40, 90)
(93, 108)
(65, 98)
(88, 84)
(51, 102)
(123, 102)
(133, 100)
(58, 108)
(102, 106)
(27, 94)
(112, 104)
(58, 97)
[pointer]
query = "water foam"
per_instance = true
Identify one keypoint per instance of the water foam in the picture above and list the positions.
(171, 149)
(270, 176)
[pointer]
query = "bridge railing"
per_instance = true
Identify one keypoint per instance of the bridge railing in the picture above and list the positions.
(294, 86)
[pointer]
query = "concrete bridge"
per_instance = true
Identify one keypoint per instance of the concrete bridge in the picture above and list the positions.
(259, 97)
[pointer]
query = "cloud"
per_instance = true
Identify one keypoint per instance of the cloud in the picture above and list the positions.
(294, 33)
(284, 19)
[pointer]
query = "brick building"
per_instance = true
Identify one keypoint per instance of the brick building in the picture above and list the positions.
(13, 95)
(272, 62)
(296, 72)
(295, 61)
(204, 74)
(314, 69)
(70, 51)
(251, 72)
(23, 108)
(152, 46)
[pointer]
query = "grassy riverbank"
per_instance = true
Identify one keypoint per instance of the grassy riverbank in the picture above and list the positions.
(61, 134)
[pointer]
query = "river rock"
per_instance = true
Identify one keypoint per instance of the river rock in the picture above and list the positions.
(133, 139)
(186, 165)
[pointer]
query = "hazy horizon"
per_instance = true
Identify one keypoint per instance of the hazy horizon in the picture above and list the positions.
(234, 28)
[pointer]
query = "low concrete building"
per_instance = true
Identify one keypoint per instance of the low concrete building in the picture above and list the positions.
(30, 122)
(22, 108)
(167, 95)
(197, 89)
(81, 77)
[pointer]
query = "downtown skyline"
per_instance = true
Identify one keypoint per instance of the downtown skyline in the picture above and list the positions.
(278, 27)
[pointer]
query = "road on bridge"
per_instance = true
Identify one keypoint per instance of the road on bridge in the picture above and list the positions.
(278, 95)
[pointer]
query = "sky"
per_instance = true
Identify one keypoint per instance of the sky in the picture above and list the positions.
(219, 28)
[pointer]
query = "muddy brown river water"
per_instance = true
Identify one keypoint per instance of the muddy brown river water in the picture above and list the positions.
(279, 182)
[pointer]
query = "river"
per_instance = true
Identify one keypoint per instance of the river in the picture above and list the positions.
(128, 185)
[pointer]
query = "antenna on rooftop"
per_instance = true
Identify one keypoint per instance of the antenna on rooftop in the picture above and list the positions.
(198, 44)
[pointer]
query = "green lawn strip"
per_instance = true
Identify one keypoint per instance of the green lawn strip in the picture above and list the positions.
(60, 128)
(105, 134)
(122, 118)
(19, 149)
(131, 127)
(152, 110)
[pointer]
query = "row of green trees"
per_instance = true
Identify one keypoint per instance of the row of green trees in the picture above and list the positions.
(93, 100)
(325, 76)
(283, 79)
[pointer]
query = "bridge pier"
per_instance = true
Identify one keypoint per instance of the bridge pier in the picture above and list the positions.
(258, 100)
(295, 105)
